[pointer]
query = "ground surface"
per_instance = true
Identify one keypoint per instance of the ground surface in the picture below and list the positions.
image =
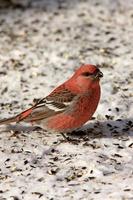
(40, 46)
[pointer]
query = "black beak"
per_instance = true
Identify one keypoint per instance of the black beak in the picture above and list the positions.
(100, 74)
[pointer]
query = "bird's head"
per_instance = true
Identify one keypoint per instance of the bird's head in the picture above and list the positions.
(87, 77)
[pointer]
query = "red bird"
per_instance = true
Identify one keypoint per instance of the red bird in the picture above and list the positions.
(68, 106)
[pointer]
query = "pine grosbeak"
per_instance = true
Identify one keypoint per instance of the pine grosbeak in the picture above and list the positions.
(68, 106)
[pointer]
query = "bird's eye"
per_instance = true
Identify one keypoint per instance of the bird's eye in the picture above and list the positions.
(87, 74)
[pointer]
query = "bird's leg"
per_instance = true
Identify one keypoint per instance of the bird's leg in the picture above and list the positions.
(69, 139)
(65, 137)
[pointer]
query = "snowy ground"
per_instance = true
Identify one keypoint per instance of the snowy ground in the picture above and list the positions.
(40, 46)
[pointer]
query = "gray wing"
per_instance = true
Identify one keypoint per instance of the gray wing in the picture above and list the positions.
(55, 103)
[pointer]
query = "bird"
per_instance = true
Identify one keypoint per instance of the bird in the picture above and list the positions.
(68, 106)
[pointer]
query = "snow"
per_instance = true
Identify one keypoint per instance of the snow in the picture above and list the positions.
(41, 44)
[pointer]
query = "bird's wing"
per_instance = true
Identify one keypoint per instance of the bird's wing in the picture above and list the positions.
(58, 101)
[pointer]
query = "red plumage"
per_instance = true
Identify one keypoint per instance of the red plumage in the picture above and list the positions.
(68, 106)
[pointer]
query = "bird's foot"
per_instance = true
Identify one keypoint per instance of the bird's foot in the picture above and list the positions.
(15, 134)
(37, 128)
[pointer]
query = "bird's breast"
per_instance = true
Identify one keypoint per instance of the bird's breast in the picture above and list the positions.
(79, 113)
(87, 104)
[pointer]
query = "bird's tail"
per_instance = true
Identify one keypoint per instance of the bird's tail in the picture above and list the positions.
(17, 118)
(8, 120)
